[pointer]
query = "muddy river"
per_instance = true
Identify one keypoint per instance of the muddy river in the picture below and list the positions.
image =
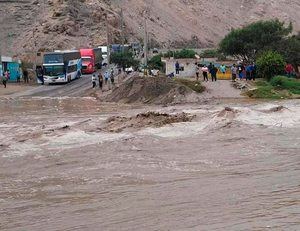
(235, 168)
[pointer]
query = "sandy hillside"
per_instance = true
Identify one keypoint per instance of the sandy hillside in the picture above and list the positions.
(28, 25)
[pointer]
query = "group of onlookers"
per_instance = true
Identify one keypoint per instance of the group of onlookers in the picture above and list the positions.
(210, 69)
(244, 71)
(108, 79)
(6, 77)
(240, 71)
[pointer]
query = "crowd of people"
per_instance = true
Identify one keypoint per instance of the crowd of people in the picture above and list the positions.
(6, 76)
(238, 71)
(108, 79)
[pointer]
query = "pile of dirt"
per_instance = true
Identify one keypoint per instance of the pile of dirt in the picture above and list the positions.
(142, 120)
(152, 90)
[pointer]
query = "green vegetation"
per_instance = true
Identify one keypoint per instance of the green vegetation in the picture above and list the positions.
(290, 49)
(124, 59)
(284, 83)
(182, 54)
(213, 53)
(270, 64)
(246, 43)
(280, 87)
(209, 53)
(156, 63)
(194, 85)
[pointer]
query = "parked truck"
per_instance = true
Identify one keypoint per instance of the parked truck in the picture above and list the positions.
(91, 60)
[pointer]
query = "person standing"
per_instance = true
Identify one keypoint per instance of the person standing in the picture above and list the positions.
(100, 79)
(4, 79)
(254, 72)
(112, 76)
(210, 66)
(39, 74)
(94, 80)
(205, 73)
(289, 69)
(25, 76)
(106, 77)
(241, 69)
(223, 69)
(233, 72)
(213, 73)
(249, 71)
(7, 75)
(177, 67)
(197, 72)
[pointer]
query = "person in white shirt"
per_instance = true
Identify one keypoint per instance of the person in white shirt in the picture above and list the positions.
(234, 71)
(94, 80)
(205, 73)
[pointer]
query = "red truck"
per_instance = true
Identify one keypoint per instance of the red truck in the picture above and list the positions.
(91, 60)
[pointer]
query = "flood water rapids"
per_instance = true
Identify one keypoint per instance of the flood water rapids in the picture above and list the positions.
(234, 168)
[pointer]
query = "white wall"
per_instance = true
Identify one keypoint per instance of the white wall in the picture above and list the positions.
(188, 64)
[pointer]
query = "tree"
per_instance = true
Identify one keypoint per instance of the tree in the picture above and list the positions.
(270, 64)
(290, 49)
(247, 42)
(156, 63)
(124, 59)
(182, 54)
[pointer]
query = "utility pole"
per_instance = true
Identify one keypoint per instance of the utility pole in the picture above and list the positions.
(145, 41)
(107, 37)
(122, 28)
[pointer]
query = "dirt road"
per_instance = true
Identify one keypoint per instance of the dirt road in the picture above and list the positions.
(221, 89)
(75, 88)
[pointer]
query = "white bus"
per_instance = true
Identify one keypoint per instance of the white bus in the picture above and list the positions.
(61, 66)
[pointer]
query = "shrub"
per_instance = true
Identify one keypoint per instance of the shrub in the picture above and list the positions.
(182, 54)
(124, 59)
(284, 83)
(270, 64)
(265, 92)
(156, 63)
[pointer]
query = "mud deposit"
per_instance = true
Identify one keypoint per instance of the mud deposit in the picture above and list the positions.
(143, 120)
(152, 90)
(234, 166)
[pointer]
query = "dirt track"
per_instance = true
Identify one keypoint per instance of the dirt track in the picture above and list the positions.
(76, 88)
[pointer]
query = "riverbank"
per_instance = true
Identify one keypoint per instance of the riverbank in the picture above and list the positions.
(279, 87)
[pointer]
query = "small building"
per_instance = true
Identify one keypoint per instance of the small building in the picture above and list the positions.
(187, 66)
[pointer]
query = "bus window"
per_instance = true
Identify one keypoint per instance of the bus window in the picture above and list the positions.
(72, 68)
(53, 70)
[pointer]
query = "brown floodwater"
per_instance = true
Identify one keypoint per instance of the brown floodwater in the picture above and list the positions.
(233, 169)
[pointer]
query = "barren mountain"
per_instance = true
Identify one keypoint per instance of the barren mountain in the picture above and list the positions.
(30, 25)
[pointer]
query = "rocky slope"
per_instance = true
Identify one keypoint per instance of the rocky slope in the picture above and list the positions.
(29, 25)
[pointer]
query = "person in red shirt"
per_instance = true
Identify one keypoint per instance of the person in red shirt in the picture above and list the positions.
(289, 69)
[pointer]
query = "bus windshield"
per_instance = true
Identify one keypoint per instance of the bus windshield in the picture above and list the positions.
(53, 70)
